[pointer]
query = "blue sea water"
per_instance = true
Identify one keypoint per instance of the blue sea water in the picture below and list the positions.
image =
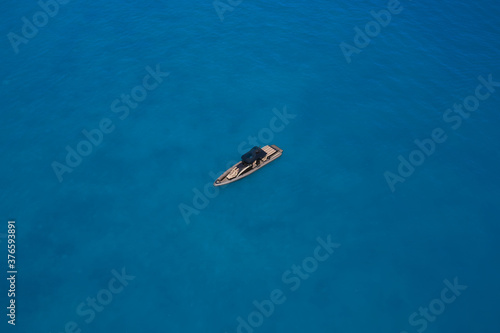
(233, 68)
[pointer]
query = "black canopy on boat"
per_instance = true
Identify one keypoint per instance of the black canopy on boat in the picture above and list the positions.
(254, 154)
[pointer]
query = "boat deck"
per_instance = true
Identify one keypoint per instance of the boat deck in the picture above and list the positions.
(272, 153)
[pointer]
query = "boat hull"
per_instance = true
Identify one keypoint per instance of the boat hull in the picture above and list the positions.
(223, 180)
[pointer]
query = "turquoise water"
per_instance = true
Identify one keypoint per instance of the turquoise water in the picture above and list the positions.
(136, 225)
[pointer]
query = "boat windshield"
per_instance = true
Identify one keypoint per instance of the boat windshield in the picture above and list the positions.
(254, 154)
